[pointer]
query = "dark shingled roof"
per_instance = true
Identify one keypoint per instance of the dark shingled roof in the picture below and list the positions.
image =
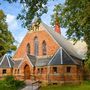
(79, 62)
(43, 61)
(67, 59)
(32, 59)
(56, 59)
(62, 57)
(65, 44)
(6, 62)
(17, 63)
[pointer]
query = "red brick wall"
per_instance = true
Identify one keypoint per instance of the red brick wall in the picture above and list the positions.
(8, 72)
(61, 75)
(29, 38)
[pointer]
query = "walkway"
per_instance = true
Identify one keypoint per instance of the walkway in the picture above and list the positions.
(31, 85)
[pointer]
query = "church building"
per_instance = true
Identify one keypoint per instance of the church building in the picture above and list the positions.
(44, 55)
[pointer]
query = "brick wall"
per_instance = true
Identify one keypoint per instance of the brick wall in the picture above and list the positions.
(8, 72)
(62, 75)
(29, 38)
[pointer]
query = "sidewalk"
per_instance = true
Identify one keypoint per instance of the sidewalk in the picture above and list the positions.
(31, 88)
(31, 85)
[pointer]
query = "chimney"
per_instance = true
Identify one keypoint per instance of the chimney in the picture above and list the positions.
(57, 24)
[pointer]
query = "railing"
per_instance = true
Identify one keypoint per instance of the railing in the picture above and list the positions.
(34, 85)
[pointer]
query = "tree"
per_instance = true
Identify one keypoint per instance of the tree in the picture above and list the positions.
(31, 8)
(75, 16)
(6, 38)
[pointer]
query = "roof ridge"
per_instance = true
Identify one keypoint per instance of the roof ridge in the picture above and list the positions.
(61, 56)
(8, 61)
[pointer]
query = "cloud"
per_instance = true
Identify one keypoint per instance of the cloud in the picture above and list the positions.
(12, 22)
(15, 27)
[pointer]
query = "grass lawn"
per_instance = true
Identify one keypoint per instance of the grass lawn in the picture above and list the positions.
(83, 86)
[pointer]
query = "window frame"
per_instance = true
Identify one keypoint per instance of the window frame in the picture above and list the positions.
(55, 70)
(28, 48)
(4, 71)
(44, 48)
(68, 69)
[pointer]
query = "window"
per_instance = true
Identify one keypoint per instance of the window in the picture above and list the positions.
(55, 69)
(41, 70)
(36, 46)
(15, 71)
(38, 70)
(44, 51)
(68, 69)
(28, 48)
(4, 71)
(18, 71)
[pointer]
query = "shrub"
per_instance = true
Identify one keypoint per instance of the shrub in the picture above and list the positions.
(11, 84)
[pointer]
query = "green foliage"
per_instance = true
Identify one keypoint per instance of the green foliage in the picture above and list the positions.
(75, 16)
(6, 38)
(9, 83)
(87, 65)
(31, 8)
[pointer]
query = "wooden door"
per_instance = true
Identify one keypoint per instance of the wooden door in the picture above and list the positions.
(26, 72)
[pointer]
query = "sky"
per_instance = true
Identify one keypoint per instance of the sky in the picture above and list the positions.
(14, 25)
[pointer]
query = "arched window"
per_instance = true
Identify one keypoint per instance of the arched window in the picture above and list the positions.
(44, 50)
(35, 46)
(28, 48)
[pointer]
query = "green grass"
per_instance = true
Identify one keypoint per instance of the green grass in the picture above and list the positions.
(83, 86)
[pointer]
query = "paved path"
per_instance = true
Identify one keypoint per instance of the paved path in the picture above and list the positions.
(31, 88)
(31, 85)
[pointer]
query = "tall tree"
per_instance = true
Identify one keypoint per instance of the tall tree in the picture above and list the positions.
(6, 38)
(75, 16)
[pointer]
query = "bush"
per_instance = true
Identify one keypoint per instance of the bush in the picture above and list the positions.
(11, 84)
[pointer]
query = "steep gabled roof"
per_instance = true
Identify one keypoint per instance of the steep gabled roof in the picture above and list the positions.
(65, 44)
(62, 57)
(6, 62)
(67, 59)
(17, 63)
(56, 59)
(32, 59)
